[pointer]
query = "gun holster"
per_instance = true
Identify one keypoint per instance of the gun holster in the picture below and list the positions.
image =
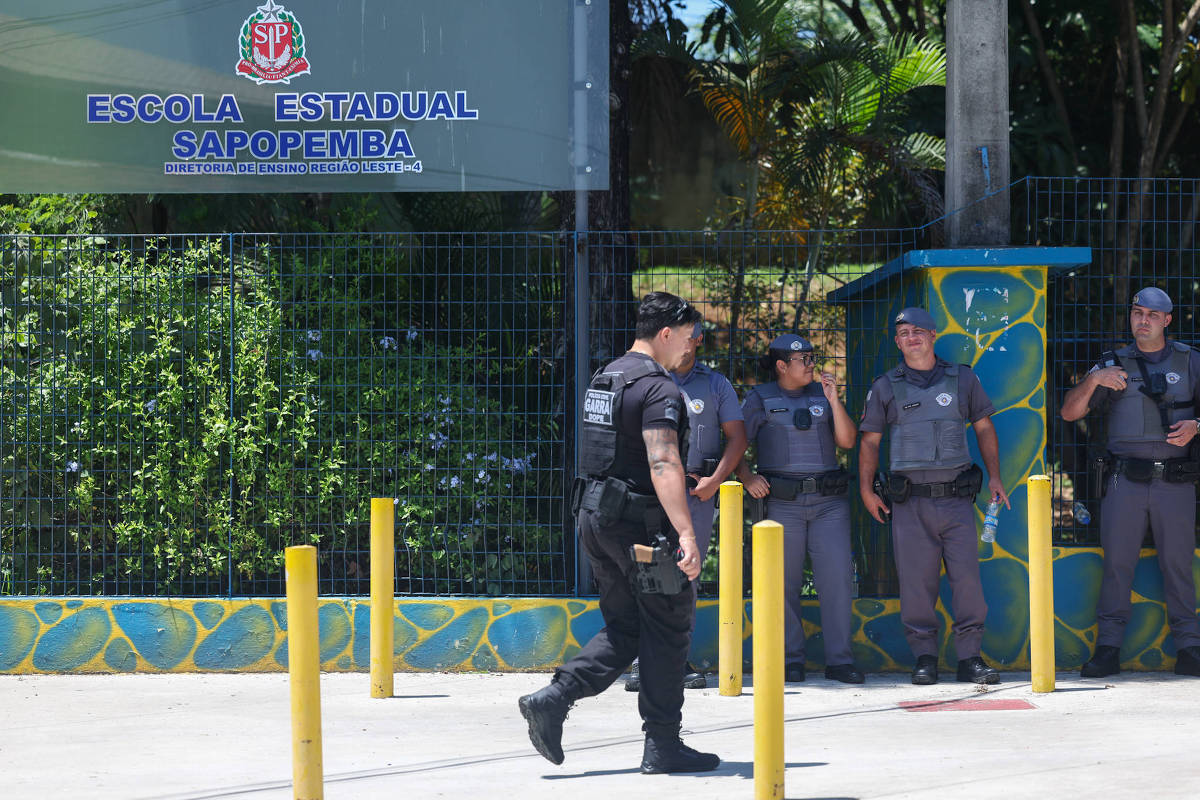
(656, 568)
(897, 488)
(754, 509)
(1099, 468)
(968, 482)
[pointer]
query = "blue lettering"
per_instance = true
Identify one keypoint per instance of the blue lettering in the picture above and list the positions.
(343, 144)
(411, 112)
(360, 108)
(399, 144)
(98, 106)
(184, 144)
(289, 141)
(234, 141)
(227, 109)
(198, 112)
(460, 107)
(440, 107)
(387, 106)
(176, 108)
(122, 108)
(262, 144)
(372, 144)
(149, 108)
(310, 104)
(316, 144)
(285, 107)
(210, 146)
(336, 100)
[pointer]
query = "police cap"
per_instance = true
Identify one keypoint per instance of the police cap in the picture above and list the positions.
(915, 316)
(790, 341)
(1154, 299)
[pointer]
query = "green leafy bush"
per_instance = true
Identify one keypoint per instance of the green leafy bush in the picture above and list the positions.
(169, 425)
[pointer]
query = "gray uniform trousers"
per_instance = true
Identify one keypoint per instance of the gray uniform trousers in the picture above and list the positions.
(927, 531)
(820, 527)
(1170, 511)
(702, 521)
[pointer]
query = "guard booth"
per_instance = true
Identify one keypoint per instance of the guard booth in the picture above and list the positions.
(990, 308)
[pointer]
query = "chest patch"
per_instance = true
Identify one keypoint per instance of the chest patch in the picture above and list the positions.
(816, 411)
(944, 399)
(911, 406)
(696, 406)
(1172, 377)
(598, 407)
(779, 410)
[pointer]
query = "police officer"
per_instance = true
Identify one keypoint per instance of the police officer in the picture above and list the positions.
(797, 423)
(924, 404)
(633, 425)
(712, 409)
(1149, 393)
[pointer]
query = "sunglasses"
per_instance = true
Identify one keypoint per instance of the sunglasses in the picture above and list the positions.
(805, 358)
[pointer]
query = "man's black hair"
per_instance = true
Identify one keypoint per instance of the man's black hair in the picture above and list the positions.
(664, 310)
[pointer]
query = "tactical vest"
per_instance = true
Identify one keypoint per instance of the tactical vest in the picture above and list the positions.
(930, 429)
(1136, 415)
(783, 448)
(700, 396)
(606, 450)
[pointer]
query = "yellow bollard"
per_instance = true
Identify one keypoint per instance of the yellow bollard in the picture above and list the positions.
(768, 660)
(729, 639)
(304, 672)
(383, 594)
(1041, 586)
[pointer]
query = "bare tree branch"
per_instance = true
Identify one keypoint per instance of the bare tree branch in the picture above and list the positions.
(1049, 77)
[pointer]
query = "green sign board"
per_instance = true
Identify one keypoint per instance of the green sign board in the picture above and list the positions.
(311, 95)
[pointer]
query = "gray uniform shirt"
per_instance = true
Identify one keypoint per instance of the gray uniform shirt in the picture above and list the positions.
(711, 402)
(880, 410)
(1103, 397)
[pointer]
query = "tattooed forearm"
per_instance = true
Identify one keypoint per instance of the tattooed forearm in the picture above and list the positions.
(662, 450)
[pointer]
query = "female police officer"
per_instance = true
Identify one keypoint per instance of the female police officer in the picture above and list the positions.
(796, 424)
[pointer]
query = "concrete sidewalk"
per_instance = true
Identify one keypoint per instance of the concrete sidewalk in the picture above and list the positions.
(461, 736)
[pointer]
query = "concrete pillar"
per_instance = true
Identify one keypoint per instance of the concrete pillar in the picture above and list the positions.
(977, 155)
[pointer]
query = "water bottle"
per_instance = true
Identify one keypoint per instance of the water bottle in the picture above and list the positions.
(1082, 515)
(989, 521)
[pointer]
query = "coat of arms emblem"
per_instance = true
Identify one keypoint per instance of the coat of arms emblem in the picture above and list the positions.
(271, 45)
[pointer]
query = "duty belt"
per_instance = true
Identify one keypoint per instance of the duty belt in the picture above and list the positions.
(1154, 470)
(788, 488)
(612, 498)
(947, 489)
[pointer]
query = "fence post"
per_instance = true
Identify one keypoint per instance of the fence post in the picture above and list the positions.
(304, 672)
(383, 592)
(1041, 585)
(731, 594)
(768, 660)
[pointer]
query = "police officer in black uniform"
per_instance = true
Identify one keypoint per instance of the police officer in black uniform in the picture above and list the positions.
(632, 504)
(1149, 392)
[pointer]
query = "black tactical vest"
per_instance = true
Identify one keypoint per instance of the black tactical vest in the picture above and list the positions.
(606, 450)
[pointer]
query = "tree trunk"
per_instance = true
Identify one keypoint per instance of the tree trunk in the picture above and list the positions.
(1039, 49)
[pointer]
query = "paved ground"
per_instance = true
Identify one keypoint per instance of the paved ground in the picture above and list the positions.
(460, 736)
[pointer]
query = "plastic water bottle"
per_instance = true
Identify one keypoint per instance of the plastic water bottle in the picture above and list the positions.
(989, 521)
(1081, 514)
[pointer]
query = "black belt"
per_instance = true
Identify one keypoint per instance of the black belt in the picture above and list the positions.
(1154, 470)
(947, 489)
(633, 507)
(787, 488)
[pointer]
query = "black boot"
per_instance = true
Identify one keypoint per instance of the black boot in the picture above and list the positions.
(694, 678)
(1187, 661)
(545, 711)
(846, 673)
(1104, 662)
(925, 671)
(973, 670)
(665, 753)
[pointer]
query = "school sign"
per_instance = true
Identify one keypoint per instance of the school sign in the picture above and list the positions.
(426, 95)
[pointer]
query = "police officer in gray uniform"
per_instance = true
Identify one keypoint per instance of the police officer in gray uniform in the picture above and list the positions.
(631, 495)
(797, 424)
(1149, 392)
(925, 404)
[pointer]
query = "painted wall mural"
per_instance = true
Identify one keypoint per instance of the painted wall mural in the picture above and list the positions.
(115, 635)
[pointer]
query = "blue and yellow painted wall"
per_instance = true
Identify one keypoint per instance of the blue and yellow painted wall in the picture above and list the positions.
(991, 309)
